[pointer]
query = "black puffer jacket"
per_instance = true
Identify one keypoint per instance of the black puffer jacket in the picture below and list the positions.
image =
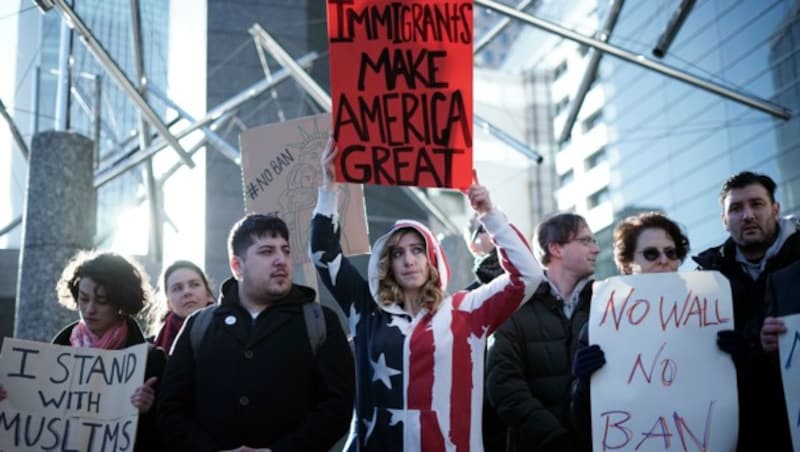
(147, 437)
(762, 410)
(530, 370)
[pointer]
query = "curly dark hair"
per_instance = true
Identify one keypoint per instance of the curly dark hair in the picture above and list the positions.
(627, 233)
(125, 283)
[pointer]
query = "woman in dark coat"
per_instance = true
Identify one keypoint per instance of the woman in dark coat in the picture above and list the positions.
(108, 290)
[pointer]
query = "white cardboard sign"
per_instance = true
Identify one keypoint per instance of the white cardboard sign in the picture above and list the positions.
(69, 398)
(665, 385)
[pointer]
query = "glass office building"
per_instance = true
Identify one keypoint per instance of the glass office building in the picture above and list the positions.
(668, 145)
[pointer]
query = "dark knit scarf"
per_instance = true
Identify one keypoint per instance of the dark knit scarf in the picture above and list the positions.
(168, 333)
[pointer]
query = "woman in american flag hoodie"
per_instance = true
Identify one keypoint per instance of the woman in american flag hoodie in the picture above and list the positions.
(419, 352)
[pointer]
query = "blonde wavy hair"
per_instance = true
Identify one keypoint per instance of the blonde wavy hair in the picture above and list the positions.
(388, 290)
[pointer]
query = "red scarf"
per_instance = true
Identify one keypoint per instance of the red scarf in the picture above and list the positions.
(172, 326)
(113, 339)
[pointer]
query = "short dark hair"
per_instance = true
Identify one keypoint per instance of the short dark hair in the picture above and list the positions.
(559, 229)
(188, 265)
(125, 283)
(628, 230)
(744, 179)
(251, 227)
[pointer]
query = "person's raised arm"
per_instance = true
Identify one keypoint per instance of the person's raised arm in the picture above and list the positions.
(336, 272)
(494, 302)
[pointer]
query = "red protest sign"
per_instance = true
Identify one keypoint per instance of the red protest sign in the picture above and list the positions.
(401, 79)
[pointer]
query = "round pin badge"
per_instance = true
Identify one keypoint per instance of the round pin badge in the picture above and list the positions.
(230, 320)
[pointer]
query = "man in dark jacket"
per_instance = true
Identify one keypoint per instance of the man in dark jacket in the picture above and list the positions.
(760, 243)
(254, 379)
(530, 361)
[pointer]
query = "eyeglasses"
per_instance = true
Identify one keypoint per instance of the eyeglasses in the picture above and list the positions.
(651, 253)
(586, 241)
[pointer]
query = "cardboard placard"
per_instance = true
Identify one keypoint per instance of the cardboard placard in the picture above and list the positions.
(401, 84)
(69, 398)
(281, 172)
(666, 385)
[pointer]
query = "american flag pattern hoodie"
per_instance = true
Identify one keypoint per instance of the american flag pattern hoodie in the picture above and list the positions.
(420, 379)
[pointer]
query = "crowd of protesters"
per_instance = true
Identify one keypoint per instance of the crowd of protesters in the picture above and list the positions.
(504, 365)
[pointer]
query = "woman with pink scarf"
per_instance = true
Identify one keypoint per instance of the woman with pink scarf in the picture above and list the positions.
(108, 290)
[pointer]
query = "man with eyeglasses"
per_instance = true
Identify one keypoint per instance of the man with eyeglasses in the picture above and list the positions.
(759, 244)
(529, 362)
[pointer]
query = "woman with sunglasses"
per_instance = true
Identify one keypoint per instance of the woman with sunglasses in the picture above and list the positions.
(645, 243)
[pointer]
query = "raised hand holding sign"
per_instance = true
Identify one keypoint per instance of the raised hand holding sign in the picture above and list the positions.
(401, 83)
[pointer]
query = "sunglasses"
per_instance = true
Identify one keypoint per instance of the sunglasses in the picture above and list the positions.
(652, 253)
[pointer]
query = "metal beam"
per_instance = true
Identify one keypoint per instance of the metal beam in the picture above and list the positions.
(156, 242)
(97, 120)
(497, 29)
(213, 138)
(11, 226)
(287, 62)
(591, 70)
(640, 60)
(12, 126)
(673, 26)
(268, 75)
(107, 174)
(64, 81)
(119, 77)
(508, 139)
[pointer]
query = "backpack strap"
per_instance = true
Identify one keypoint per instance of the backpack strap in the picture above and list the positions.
(315, 325)
(202, 319)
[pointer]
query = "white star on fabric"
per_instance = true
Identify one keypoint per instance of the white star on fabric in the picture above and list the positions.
(401, 323)
(397, 416)
(333, 266)
(370, 424)
(382, 372)
(352, 319)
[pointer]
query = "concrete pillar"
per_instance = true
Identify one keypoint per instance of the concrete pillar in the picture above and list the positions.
(59, 218)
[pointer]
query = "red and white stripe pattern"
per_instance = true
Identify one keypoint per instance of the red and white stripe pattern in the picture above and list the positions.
(444, 353)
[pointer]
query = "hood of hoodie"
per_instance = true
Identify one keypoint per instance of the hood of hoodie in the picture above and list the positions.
(432, 246)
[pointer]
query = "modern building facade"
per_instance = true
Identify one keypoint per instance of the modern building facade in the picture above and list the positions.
(643, 141)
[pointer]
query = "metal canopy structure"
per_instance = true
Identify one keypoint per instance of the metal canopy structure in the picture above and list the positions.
(639, 60)
(591, 70)
(137, 155)
(119, 77)
(150, 143)
(23, 147)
